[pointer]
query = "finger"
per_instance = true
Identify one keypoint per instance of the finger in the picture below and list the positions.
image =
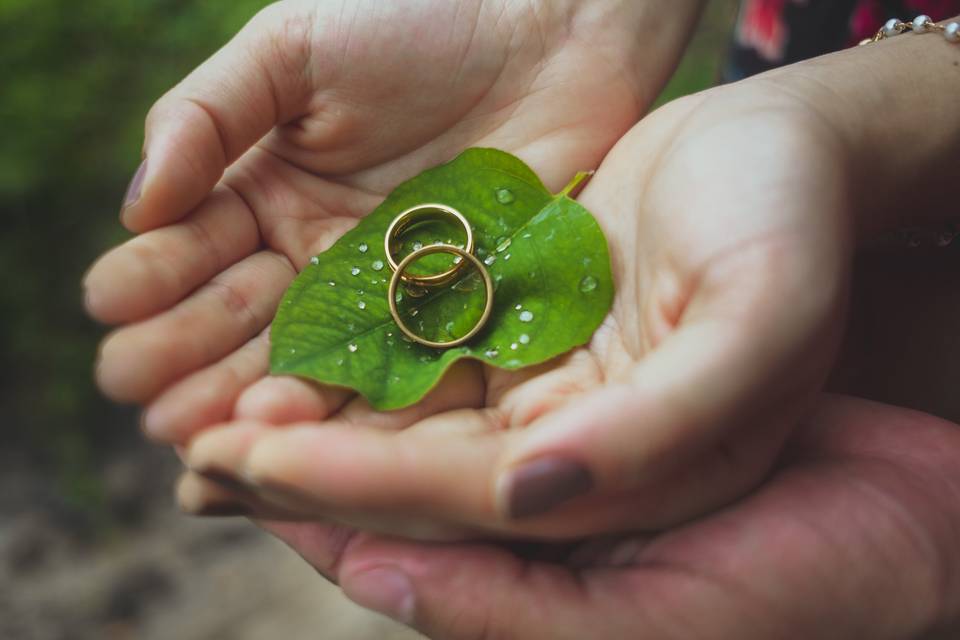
(436, 472)
(153, 271)
(208, 396)
(285, 399)
(227, 448)
(220, 452)
(139, 361)
(259, 79)
(478, 591)
(199, 496)
(321, 545)
(462, 387)
(737, 360)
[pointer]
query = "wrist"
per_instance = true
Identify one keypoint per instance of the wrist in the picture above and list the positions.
(892, 106)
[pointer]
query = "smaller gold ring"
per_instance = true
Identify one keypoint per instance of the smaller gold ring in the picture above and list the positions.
(426, 251)
(421, 213)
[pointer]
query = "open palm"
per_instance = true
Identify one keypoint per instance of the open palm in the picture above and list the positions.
(727, 221)
(272, 149)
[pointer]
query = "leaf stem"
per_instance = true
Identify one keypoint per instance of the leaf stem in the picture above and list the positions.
(575, 183)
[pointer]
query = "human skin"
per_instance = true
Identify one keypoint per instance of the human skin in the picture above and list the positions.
(705, 134)
(735, 289)
(853, 535)
(274, 147)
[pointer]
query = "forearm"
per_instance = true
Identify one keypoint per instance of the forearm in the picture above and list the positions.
(895, 104)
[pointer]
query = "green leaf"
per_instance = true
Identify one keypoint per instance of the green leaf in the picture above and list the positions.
(546, 254)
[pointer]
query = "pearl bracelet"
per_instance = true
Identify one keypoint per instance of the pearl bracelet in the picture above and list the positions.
(920, 24)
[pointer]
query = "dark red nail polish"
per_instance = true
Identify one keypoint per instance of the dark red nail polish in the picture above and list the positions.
(225, 479)
(540, 485)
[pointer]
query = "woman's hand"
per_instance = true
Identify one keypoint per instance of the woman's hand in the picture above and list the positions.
(727, 218)
(854, 536)
(731, 219)
(274, 147)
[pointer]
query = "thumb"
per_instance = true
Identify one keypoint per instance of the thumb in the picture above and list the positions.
(468, 591)
(218, 112)
(698, 419)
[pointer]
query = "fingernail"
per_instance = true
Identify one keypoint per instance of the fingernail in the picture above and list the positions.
(135, 188)
(282, 494)
(223, 478)
(540, 485)
(222, 510)
(385, 590)
(150, 427)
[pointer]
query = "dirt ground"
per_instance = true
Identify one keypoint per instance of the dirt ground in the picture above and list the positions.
(162, 576)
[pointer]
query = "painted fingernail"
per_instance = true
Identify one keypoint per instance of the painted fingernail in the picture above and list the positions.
(135, 188)
(386, 590)
(224, 478)
(540, 485)
(222, 510)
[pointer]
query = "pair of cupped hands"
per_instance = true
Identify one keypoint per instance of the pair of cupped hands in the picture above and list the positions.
(694, 415)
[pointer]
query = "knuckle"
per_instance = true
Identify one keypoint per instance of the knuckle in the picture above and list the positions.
(234, 300)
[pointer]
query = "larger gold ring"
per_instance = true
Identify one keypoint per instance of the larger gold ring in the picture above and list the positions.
(412, 216)
(426, 251)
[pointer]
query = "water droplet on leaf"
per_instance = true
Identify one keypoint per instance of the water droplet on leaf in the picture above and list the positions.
(503, 244)
(355, 271)
(352, 348)
(489, 260)
(314, 260)
(363, 247)
(526, 316)
(524, 338)
(505, 196)
(377, 265)
(588, 284)
(514, 346)
(491, 353)
(362, 305)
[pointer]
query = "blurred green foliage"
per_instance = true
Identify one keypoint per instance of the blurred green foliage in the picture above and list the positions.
(77, 80)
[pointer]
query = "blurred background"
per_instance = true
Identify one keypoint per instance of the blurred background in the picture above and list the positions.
(91, 545)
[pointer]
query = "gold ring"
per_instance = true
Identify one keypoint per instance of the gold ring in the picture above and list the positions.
(422, 213)
(426, 251)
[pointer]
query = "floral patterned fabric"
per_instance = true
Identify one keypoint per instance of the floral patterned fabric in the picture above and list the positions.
(771, 33)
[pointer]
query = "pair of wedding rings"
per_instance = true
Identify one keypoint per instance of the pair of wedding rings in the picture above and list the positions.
(418, 285)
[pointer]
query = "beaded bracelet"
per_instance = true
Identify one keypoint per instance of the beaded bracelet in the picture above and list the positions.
(916, 237)
(920, 24)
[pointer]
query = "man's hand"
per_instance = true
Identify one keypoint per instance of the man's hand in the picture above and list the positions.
(854, 536)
